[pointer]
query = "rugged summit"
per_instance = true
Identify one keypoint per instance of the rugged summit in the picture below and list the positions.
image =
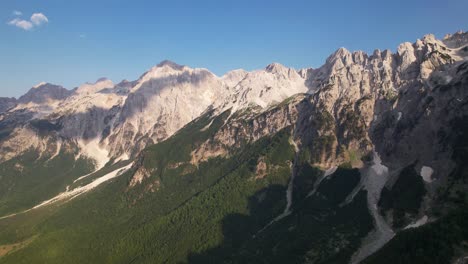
(353, 88)
(126, 117)
(44, 93)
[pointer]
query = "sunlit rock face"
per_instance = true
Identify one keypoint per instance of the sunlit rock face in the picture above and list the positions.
(356, 89)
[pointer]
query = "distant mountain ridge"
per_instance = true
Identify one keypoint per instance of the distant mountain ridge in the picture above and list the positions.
(169, 95)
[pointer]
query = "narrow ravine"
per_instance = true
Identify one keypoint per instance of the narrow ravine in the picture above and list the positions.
(374, 178)
(289, 190)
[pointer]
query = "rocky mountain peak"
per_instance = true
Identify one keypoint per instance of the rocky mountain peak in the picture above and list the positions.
(102, 79)
(124, 86)
(39, 85)
(376, 53)
(163, 69)
(341, 54)
(457, 40)
(233, 77)
(276, 68)
(360, 57)
(404, 48)
(429, 38)
(171, 64)
(90, 88)
(339, 59)
(44, 92)
(281, 72)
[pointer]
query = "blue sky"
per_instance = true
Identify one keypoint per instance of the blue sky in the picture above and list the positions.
(85, 40)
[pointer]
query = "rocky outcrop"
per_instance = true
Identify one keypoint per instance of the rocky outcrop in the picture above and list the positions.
(139, 176)
(92, 88)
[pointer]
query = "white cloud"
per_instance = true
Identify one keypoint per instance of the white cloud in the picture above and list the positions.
(39, 18)
(17, 13)
(24, 24)
(36, 20)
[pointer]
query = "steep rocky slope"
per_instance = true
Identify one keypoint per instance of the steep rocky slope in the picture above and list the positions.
(126, 117)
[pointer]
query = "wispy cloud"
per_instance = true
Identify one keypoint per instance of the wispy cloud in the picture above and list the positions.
(20, 23)
(36, 20)
(17, 13)
(39, 19)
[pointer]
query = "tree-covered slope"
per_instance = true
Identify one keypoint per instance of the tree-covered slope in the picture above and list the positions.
(29, 179)
(218, 209)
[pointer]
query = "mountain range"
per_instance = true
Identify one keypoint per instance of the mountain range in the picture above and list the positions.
(362, 160)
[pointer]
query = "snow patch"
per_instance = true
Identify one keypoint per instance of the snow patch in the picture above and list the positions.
(77, 191)
(330, 171)
(374, 179)
(426, 173)
(400, 114)
(122, 157)
(418, 223)
(39, 85)
(207, 126)
(327, 173)
(84, 176)
(57, 151)
(83, 189)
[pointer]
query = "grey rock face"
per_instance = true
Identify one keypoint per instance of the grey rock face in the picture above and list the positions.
(6, 103)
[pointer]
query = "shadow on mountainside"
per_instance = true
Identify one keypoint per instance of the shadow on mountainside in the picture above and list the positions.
(319, 229)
